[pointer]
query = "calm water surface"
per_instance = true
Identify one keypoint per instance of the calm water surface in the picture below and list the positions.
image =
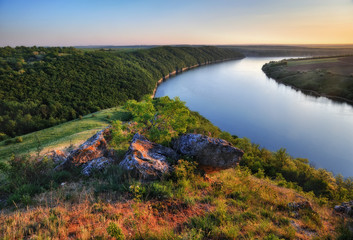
(238, 97)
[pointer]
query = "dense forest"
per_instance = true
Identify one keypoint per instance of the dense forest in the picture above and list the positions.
(41, 87)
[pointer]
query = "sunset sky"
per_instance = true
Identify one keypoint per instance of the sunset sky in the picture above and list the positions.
(145, 22)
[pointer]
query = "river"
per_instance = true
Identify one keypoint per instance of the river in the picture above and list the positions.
(239, 98)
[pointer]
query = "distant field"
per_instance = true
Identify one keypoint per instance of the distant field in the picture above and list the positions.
(337, 65)
(295, 51)
(331, 77)
(62, 136)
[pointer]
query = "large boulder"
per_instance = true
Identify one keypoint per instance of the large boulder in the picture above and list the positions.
(147, 159)
(92, 154)
(93, 148)
(208, 151)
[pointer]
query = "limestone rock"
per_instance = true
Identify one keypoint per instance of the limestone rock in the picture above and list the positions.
(345, 207)
(208, 151)
(147, 159)
(91, 154)
(96, 164)
(93, 148)
(57, 156)
(295, 206)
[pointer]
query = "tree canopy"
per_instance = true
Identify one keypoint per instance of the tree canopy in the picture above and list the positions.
(42, 87)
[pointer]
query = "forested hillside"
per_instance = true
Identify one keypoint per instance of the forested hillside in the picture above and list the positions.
(41, 87)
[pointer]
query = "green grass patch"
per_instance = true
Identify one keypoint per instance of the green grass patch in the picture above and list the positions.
(61, 136)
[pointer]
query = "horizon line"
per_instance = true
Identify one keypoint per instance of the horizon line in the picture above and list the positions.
(187, 44)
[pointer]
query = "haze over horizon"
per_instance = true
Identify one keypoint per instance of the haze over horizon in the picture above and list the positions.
(156, 22)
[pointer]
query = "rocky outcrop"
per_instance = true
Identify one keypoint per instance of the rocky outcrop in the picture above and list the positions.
(147, 159)
(92, 154)
(208, 151)
(346, 207)
(57, 156)
(93, 148)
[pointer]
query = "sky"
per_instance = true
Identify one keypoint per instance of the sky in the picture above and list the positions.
(163, 22)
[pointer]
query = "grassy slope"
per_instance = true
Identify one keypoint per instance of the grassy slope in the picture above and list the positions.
(230, 204)
(331, 77)
(62, 136)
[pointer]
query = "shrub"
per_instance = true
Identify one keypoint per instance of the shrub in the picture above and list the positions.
(237, 195)
(184, 170)
(272, 237)
(3, 136)
(61, 176)
(260, 173)
(115, 231)
(159, 190)
(161, 119)
(25, 177)
(23, 170)
(137, 191)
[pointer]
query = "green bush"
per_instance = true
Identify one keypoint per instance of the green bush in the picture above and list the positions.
(24, 177)
(272, 237)
(237, 195)
(62, 176)
(115, 231)
(3, 136)
(184, 170)
(159, 190)
(161, 119)
(137, 190)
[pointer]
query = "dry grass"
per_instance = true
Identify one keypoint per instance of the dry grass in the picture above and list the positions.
(87, 219)
(239, 206)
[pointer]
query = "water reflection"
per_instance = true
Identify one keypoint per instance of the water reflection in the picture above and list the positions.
(238, 97)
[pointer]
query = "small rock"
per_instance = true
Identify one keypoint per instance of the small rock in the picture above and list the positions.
(345, 207)
(300, 205)
(339, 208)
(208, 151)
(147, 159)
